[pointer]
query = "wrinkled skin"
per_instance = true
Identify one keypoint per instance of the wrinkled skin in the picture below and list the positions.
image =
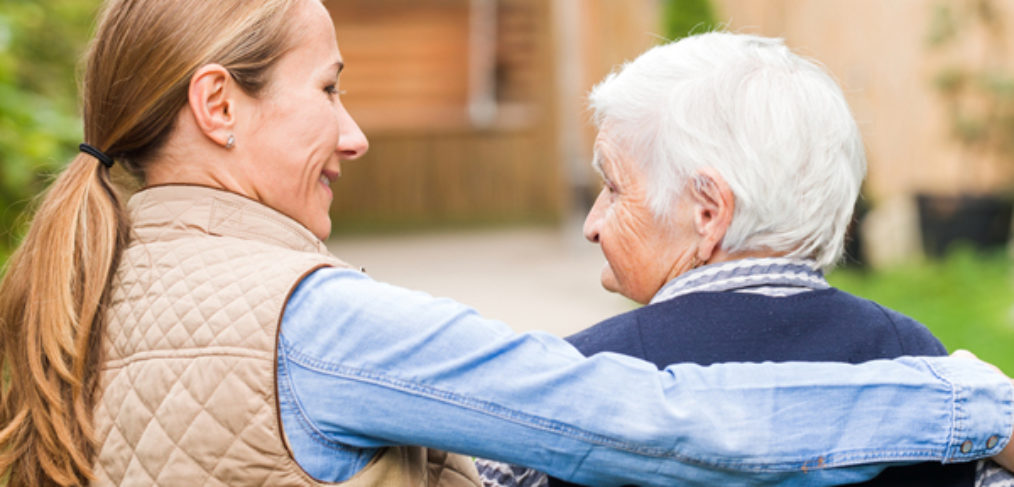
(642, 253)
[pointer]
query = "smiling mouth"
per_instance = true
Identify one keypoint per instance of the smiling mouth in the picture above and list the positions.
(327, 177)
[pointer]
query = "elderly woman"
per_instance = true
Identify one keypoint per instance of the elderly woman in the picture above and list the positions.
(730, 169)
(206, 337)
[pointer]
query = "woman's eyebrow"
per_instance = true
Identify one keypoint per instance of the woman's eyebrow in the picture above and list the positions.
(600, 166)
(597, 164)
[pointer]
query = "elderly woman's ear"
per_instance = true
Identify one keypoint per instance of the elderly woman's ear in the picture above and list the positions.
(713, 205)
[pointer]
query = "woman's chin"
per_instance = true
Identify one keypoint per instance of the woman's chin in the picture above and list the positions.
(608, 279)
(322, 229)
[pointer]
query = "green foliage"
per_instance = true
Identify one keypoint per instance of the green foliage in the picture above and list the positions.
(966, 300)
(686, 17)
(40, 44)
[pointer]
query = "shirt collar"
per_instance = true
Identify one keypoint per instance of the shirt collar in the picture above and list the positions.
(158, 212)
(798, 275)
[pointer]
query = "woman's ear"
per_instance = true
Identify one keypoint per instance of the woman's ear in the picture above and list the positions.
(713, 207)
(212, 101)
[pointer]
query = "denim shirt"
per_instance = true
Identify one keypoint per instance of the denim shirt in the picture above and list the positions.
(363, 365)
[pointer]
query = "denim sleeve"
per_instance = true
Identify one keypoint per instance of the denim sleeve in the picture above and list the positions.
(370, 364)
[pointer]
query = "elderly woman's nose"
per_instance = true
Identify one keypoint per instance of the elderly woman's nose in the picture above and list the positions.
(592, 222)
(352, 142)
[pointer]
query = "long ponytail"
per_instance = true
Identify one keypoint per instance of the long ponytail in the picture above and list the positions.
(51, 311)
(57, 284)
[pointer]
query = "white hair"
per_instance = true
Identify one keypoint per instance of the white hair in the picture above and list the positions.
(774, 125)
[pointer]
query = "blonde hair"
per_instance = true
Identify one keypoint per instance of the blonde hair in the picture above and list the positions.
(57, 283)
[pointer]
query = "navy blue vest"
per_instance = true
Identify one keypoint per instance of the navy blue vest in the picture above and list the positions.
(824, 325)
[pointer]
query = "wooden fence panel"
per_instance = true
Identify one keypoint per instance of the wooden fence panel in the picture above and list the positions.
(429, 163)
(450, 178)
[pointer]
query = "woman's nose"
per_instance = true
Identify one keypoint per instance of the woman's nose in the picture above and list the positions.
(593, 220)
(352, 142)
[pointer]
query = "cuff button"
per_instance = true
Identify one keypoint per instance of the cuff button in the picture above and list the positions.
(992, 441)
(966, 446)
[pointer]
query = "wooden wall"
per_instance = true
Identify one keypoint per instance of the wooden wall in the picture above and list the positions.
(405, 61)
(411, 74)
(410, 79)
(413, 179)
(414, 69)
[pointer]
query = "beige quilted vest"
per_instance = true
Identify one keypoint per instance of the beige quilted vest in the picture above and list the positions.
(188, 378)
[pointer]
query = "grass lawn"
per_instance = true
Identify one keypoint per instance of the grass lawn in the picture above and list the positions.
(967, 300)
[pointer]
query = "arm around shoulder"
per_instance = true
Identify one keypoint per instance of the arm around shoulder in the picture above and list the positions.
(374, 365)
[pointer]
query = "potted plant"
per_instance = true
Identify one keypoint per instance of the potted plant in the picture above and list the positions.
(977, 89)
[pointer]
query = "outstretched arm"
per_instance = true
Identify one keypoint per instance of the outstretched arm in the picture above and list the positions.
(1006, 457)
(373, 365)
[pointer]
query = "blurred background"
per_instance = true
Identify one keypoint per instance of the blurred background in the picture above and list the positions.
(478, 175)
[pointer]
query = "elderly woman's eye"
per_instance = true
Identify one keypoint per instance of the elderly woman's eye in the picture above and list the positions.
(333, 90)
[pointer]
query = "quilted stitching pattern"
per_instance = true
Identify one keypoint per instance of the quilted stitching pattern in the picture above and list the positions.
(188, 378)
(448, 469)
(188, 393)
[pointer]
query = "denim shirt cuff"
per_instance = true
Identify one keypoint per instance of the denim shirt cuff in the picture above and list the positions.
(977, 430)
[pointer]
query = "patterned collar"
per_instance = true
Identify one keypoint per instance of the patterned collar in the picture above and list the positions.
(776, 277)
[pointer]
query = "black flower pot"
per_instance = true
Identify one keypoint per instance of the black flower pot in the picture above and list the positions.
(980, 221)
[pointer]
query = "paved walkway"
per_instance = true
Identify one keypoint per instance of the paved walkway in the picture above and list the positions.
(531, 278)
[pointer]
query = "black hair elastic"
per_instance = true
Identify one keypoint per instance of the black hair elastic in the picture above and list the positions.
(101, 156)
